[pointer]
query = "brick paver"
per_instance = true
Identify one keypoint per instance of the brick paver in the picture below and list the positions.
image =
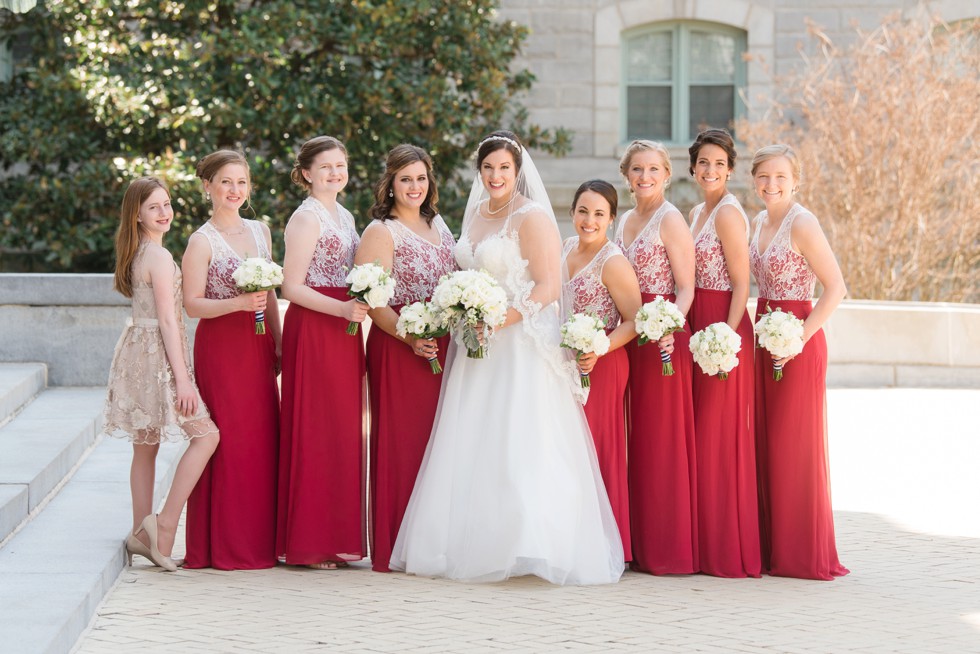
(908, 528)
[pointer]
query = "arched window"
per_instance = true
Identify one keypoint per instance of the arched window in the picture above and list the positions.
(679, 77)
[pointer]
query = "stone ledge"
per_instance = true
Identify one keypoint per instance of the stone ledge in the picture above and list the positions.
(59, 289)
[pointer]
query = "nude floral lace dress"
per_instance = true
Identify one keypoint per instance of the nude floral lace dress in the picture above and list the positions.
(141, 404)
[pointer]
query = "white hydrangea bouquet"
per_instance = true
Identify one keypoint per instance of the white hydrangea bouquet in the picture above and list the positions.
(715, 349)
(655, 320)
(258, 274)
(370, 284)
(473, 303)
(585, 334)
(423, 320)
(781, 334)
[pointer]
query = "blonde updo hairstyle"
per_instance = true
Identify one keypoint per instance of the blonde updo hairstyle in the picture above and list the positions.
(307, 153)
(770, 152)
(643, 145)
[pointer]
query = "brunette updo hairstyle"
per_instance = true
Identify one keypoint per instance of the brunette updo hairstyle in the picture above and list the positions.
(603, 188)
(399, 157)
(502, 139)
(209, 166)
(714, 136)
(308, 152)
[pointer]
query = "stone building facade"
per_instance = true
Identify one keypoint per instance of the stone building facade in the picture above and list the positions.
(613, 70)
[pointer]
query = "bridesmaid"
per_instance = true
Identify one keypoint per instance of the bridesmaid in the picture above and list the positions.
(409, 238)
(600, 281)
(231, 515)
(789, 253)
(321, 450)
(660, 419)
(728, 522)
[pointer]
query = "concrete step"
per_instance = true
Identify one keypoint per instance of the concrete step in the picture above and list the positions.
(19, 384)
(41, 445)
(59, 566)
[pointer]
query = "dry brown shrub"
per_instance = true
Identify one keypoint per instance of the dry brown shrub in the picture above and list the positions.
(887, 130)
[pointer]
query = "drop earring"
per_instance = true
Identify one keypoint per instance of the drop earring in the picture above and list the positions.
(391, 193)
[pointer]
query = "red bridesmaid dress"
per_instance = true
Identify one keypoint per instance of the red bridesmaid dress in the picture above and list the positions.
(797, 519)
(231, 514)
(322, 457)
(728, 518)
(660, 426)
(404, 392)
(606, 407)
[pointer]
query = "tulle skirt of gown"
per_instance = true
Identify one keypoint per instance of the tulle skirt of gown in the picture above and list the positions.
(794, 470)
(724, 427)
(231, 514)
(606, 414)
(509, 485)
(662, 466)
(322, 451)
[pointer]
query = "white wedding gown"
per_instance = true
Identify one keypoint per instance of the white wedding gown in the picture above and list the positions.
(510, 484)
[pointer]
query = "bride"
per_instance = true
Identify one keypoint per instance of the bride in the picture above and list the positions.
(510, 485)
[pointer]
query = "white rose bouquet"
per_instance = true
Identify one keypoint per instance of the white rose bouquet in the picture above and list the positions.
(469, 299)
(258, 274)
(715, 349)
(370, 284)
(655, 320)
(781, 334)
(585, 334)
(423, 320)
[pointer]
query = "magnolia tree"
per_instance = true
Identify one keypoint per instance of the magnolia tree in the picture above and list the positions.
(117, 88)
(887, 131)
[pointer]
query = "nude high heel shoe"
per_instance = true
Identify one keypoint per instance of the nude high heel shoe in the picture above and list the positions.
(149, 525)
(134, 546)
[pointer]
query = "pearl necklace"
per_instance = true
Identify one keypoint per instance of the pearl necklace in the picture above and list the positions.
(509, 202)
(240, 230)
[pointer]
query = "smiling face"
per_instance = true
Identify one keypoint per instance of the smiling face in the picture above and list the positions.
(410, 185)
(498, 172)
(228, 188)
(328, 172)
(711, 169)
(591, 216)
(647, 174)
(156, 215)
(774, 182)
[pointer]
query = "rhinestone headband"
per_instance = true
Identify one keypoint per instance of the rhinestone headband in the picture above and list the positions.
(499, 138)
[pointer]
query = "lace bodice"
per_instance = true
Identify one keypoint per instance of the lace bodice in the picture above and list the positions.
(334, 254)
(781, 272)
(647, 253)
(710, 267)
(224, 260)
(586, 292)
(418, 264)
(144, 304)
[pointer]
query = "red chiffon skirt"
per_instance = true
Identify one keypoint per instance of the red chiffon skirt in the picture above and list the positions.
(606, 414)
(231, 514)
(728, 506)
(797, 519)
(322, 438)
(404, 396)
(662, 474)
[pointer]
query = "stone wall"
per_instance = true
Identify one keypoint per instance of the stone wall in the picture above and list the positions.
(72, 323)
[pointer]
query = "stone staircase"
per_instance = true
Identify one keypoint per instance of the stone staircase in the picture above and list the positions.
(64, 508)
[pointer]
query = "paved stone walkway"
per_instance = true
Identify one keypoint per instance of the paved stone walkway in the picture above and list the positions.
(908, 528)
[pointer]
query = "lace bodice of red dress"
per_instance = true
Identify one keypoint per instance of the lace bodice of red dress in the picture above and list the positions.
(781, 272)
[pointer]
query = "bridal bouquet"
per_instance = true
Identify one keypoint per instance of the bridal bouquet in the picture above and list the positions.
(370, 284)
(423, 320)
(781, 334)
(715, 349)
(655, 320)
(257, 274)
(474, 302)
(585, 334)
